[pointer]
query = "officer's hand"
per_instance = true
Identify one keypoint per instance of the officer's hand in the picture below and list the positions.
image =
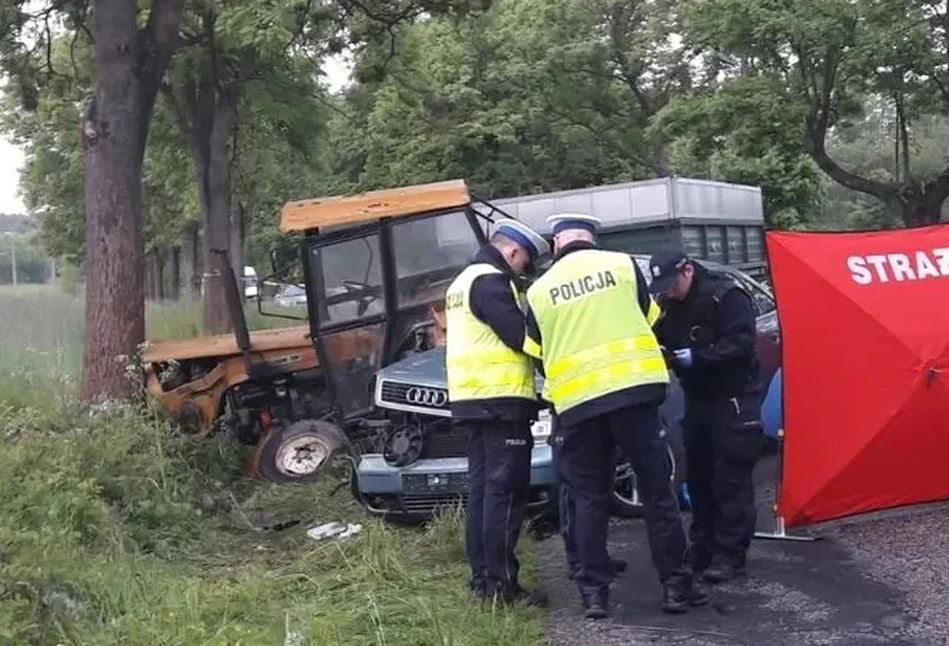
(683, 357)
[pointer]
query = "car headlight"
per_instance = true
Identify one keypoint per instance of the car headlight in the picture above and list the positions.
(541, 428)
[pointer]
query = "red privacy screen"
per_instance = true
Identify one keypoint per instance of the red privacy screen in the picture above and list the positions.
(865, 329)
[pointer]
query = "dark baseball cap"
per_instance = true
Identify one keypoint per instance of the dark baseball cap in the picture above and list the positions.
(664, 266)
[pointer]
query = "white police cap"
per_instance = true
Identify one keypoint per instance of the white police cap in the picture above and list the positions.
(524, 236)
(560, 222)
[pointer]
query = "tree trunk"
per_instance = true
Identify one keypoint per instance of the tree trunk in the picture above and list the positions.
(149, 277)
(921, 208)
(213, 164)
(130, 63)
(918, 205)
(160, 274)
(115, 281)
(174, 272)
(192, 260)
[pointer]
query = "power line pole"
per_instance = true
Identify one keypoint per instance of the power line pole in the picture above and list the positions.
(13, 253)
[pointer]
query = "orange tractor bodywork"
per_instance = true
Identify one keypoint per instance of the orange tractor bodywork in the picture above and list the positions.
(203, 383)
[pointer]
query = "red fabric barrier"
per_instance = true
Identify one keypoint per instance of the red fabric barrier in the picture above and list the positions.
(865, 333)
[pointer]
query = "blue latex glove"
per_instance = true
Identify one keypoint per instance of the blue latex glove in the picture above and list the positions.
(683, 357)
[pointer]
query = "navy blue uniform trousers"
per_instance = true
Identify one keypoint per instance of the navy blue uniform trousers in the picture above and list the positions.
(586, 459)
(723, 441)
(566, 509)
(499, 460)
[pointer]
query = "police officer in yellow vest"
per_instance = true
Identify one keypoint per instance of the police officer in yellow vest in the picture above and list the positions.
(589, 321)
(493, 398)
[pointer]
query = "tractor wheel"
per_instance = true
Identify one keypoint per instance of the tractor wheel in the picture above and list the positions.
(298, 452)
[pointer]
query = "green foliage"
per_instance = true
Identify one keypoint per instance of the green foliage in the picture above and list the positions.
(745, 133)
(830, 60)
(522, 96)
(115, 530)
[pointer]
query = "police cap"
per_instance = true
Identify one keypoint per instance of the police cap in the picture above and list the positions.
(664, 266)
(524, 236)
(561, 222)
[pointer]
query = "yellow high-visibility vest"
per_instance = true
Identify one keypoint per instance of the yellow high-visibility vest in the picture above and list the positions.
(596, 339)
(479, 364)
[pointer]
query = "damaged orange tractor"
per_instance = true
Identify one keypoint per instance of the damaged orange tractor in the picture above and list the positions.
(374, 268)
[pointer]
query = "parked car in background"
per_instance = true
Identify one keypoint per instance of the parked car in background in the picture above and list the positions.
(416, 386)
(251, 288)
(290, 296)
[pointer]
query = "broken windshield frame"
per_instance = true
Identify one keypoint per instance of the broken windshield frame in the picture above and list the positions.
(367, 290)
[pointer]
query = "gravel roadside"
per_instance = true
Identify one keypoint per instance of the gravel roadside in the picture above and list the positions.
(875, 580)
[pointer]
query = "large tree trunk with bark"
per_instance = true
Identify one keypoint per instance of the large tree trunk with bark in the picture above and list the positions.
(919, 209)
(213, 162)
(191, 260)
(129, 65)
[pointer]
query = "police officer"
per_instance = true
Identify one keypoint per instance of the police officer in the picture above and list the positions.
(566, 508)
(708, 326)
(493, 398)
(588, 320)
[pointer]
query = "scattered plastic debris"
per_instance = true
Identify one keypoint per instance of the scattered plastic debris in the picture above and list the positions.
(331, 530)
(291, 637)
(351, 530)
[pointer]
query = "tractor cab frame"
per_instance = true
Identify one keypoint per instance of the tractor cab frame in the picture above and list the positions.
(375, 268)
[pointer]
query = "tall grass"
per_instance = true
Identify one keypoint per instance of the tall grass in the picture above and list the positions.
(116, 530)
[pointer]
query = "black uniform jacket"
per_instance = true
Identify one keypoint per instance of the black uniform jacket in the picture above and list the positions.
(493, 303)
(636, 396)
(716, 320)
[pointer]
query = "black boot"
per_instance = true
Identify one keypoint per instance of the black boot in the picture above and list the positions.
(595, 603)
(478, 588)
(723, 572)
(699, 595)
(677, 599)
(514, 594)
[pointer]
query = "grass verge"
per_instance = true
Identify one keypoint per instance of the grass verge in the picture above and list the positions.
(116, 530)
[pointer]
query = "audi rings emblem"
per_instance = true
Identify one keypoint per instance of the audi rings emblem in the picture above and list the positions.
(426, 396)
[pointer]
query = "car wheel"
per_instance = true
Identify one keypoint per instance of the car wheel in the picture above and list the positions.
(625, 501)
(299, 451)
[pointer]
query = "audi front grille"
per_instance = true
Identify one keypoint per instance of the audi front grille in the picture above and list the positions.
(413, 397)
(432, 503)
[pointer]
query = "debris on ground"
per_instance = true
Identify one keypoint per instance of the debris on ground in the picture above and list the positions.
(334, 529)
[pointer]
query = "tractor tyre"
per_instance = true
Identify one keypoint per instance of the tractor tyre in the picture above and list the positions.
(299, 451)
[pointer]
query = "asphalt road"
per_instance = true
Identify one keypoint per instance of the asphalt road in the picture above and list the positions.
(880, 580)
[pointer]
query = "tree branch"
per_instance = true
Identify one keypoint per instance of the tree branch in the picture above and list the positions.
(302, 19)
(177, 112)
(161, 36)
(815, 145)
